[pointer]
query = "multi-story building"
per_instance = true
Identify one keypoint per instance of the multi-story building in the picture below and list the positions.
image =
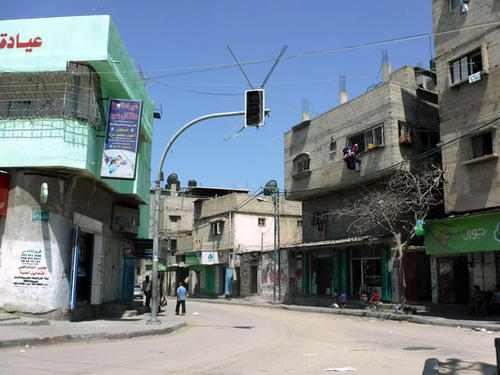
(65, 224)
(465, 247)
(235, 248)
(388, 124)
(176, 225)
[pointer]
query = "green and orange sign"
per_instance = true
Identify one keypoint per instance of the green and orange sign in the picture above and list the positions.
(463, 234)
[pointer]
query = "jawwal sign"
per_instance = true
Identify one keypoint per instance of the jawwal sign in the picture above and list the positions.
(122, 134)
(463, 235)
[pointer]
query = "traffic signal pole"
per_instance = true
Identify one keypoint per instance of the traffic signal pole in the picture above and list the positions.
(156, 218)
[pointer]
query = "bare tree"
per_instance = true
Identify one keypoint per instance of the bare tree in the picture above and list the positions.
(394, 206)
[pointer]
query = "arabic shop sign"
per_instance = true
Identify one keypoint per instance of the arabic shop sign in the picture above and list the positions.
(10, 42)
(463, 235)
(122, 134)
(39, 216)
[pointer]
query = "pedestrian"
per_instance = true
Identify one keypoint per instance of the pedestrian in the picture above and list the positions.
(181, 299)
(342, 299)
(335, 296)
(146, 288)
(478, 302)
(364, 299)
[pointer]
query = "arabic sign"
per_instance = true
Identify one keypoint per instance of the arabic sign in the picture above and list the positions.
(10, 42)
(4, 193)
(122, 134)
(32, 270)
(463, 235)
(40, 216)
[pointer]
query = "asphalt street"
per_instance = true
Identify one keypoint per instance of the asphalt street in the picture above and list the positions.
(227, 339)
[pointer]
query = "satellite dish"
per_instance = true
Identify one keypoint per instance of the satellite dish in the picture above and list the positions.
(271, 188)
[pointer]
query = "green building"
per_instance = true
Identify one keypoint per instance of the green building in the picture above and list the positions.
(65, 231)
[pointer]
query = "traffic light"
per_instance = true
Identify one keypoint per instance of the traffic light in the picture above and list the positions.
(254, 107)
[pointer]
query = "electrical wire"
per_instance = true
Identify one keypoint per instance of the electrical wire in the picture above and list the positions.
(417, 157)
(202, 68)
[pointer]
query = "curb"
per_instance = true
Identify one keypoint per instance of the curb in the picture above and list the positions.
(49, 340)
(370, 314)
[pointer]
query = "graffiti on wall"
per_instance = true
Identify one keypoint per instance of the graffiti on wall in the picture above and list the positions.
(267, 274)
(31, 271)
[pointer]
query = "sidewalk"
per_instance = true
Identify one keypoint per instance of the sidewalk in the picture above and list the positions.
(23, 331)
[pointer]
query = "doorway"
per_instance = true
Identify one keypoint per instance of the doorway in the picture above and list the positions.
(253, 279)
(84, 274)
(366, 276)
(453, 279)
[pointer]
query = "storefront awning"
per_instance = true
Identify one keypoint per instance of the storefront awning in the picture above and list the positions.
(345, 242)
(464, 234)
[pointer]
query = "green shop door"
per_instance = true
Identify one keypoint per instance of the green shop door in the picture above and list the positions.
(210, 280)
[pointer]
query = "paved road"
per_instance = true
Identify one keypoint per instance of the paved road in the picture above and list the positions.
(224, 339)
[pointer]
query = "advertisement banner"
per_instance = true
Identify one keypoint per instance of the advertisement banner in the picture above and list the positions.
(122, 135)
(463, 235)
(4, 193)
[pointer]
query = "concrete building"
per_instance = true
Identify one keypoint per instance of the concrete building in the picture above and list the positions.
(465, 246)
(64, 230)
(234, 245)
(177, 207)
(391, 123)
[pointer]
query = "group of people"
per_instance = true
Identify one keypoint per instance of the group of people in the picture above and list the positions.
(367, 300)
(181, 293)
(339, 300)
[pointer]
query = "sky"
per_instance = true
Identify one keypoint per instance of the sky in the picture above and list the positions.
(181, 48)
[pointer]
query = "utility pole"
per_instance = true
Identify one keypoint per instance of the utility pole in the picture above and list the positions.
(156, 217)
(272, 189)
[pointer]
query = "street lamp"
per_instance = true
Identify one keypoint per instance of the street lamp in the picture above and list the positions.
(271, 189)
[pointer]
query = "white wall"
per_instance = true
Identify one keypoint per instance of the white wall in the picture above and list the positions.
(249, 236)
(34, 273)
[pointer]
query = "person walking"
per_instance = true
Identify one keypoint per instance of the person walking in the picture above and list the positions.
(181, 299)
(146, 288)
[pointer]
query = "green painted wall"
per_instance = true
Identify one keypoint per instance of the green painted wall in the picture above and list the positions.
(73, 143)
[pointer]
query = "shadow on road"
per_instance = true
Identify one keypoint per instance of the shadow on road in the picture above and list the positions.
(457, 366)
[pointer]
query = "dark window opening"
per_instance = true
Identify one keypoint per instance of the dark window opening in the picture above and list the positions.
(174, 218)
(482, 145)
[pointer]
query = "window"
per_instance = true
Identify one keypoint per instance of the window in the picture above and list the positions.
(216, 228)
(261, 221)
(301, 163)
(404, 132)
(368, 139)
(173, 246)
(482, 145)
(299, 223)
(320, 218)
(174, 218)
(465, 66)
(20, 108)
(333, 146)
(454, 4)
(463, 5)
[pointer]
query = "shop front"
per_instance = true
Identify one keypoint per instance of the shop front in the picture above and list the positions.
(464, 252)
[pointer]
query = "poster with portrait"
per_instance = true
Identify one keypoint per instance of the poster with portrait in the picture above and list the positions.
(122, 135)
